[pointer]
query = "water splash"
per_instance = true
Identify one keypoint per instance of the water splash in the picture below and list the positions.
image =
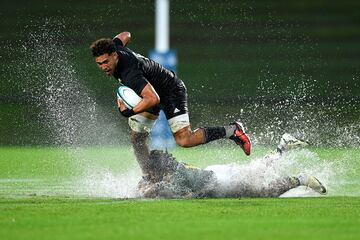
(106, 183)
(261, 172)
(324, 122)
(73, 117)
(68, 109)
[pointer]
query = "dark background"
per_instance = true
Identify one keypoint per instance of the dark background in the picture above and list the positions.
(279, 66)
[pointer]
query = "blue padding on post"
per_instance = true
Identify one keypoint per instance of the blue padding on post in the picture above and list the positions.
(161, 135)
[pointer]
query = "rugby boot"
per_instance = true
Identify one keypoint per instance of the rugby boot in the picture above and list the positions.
(313, 183)
(240, 138)
(288, 142)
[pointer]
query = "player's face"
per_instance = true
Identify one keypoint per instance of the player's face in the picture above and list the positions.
(107, 63)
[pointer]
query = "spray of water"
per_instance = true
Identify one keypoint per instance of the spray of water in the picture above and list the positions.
(325, 122)
(70, 112)
(68, 108)
(73, 118)
(260, 173)
(106, 183)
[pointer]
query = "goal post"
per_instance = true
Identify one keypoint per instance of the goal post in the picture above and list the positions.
(161, 135)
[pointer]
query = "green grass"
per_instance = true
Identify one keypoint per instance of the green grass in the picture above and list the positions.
(54, 164)
(61, 218)
(34, 206)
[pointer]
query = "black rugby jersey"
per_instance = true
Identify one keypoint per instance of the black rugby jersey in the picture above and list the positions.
(135, 71)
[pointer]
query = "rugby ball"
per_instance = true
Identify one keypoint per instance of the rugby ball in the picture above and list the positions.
(128, 96)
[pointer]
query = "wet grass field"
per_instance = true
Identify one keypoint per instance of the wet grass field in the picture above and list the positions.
(86, 193)
(114, 172)
(278, 66)
(70, 218)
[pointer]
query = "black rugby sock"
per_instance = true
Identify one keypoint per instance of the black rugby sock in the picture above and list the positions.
(213, 133)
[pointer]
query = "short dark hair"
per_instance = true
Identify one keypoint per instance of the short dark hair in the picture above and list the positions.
(102, 46)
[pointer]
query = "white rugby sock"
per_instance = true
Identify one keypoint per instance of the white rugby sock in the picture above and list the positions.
(230, 130)
(303, 179)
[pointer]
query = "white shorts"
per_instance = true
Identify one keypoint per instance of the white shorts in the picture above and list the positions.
(142, 124)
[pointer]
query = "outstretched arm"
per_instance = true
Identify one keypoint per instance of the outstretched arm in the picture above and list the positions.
(124, 37)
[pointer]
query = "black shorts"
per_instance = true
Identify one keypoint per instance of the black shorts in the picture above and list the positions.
(174, 103)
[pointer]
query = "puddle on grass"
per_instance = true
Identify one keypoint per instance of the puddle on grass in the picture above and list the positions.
(105, 183)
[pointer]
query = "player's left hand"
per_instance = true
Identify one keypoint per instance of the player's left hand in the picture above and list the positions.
(126, 112)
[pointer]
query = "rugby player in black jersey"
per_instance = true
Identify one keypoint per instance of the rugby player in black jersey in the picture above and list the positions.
(159, 89)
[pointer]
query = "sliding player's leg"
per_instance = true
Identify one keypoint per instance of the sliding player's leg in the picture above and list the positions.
(141, 125)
